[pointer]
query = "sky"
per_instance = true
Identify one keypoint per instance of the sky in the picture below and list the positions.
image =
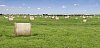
(50, 6)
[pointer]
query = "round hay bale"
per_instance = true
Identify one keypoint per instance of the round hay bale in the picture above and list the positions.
(84, 17)
(46, 16)
(5, 17)
(84, 20)
(10, 18)
(66, 17)
(31, 18)
(57, 18)
(76, 18)
(22, 29)
(52, 17)
(24, 16)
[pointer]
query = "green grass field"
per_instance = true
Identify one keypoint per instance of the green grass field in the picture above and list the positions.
(51, 33)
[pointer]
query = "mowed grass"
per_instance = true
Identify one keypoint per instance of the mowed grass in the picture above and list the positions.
(51, 33)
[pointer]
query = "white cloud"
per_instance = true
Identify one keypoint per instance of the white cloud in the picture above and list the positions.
(2, 5)
(38, 8)
(63, 6)
(7, 9)
(76, 4)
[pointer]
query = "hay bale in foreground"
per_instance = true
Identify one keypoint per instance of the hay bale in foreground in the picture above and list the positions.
(22, 29)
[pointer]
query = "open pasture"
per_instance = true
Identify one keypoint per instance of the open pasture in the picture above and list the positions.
(52, 33)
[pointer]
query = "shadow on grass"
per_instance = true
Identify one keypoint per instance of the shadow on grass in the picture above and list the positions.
(13, 35)
(35, 36)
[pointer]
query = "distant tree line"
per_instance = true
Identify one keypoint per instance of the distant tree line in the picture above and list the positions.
(67, 15)
(51, 14)
(1, 14)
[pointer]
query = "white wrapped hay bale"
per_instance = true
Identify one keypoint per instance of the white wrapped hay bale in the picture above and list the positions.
(53, 17)
(5, 17)
(84, 20)
(66, 16)
(22, 29)
(24, 16)
(31, 18)
(46, 16)
(76, 18)
(10, 18)
(57, 18)
(84, 17)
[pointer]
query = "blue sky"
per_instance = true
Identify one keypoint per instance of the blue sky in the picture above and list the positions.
(50, 6)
